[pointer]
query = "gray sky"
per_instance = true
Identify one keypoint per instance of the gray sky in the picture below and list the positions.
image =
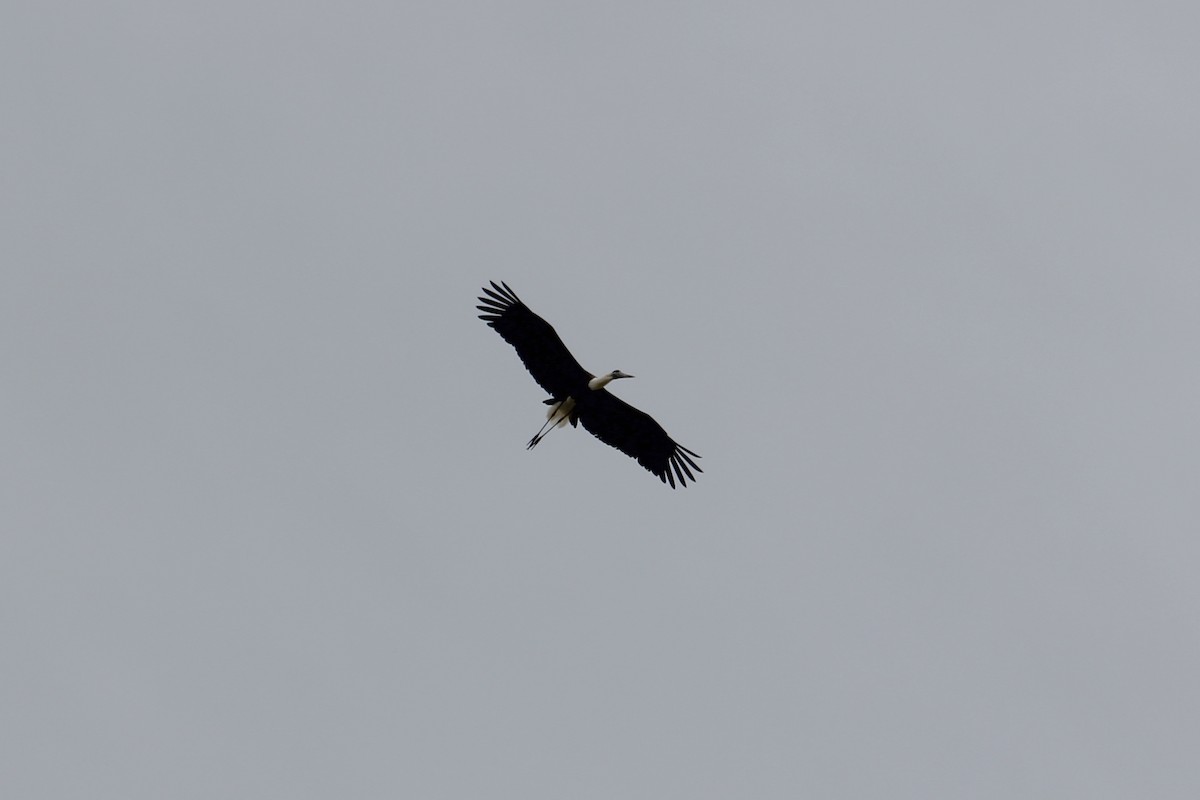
(919, 281)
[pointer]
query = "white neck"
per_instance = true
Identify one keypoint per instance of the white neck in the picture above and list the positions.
(600, 383)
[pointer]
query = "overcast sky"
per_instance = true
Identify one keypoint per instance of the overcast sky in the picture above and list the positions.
(919, 282)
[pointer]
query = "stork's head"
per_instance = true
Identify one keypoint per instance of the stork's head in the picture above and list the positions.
(599, 383)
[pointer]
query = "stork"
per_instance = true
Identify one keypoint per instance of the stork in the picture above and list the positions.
(577, 395)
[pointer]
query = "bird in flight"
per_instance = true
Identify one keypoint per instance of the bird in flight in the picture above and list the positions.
(577, 395)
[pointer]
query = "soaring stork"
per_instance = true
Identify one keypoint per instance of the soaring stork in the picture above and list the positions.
(577, 396)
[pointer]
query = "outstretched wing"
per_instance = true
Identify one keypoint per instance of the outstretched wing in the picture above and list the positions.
(635, 433)
(543, 353)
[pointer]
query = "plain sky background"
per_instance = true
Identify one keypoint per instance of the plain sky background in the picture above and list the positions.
(918, 280)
